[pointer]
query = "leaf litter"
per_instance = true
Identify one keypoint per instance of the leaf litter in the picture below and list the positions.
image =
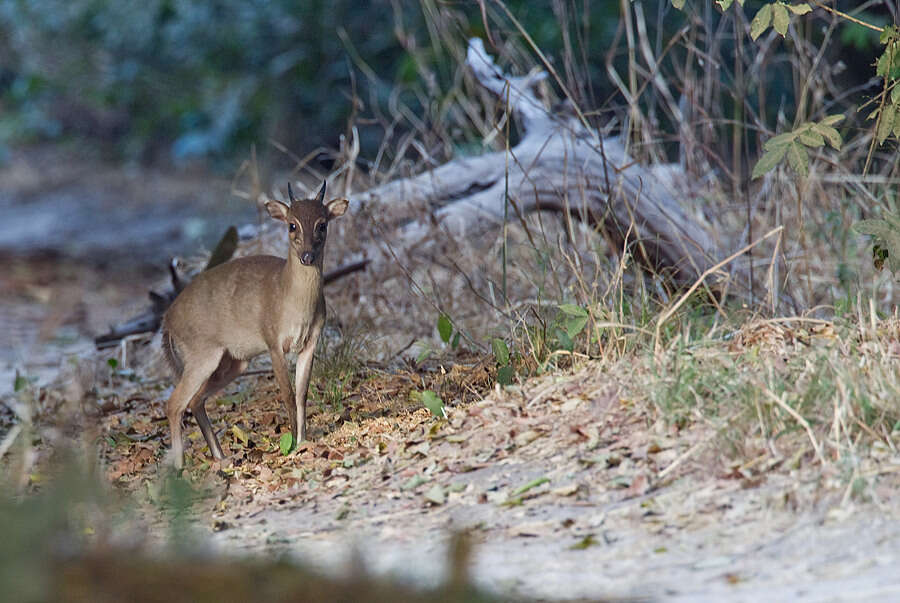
(577, 459)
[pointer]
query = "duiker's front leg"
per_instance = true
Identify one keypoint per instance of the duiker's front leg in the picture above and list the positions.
(301, 381)
(280, 368)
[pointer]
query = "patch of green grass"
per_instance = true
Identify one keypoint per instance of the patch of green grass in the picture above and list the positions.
(338, 361)
(817, 391)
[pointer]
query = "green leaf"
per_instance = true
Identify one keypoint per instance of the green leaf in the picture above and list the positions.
(768, 161)
(811, 138)
(436, 495)
(889, 62)
(726, 4)
(679, 4)
(826, 129)
(575, 325)
(445, 328)
(286, 443)
(782, 140)
(455, 343)
(434, 403)
(505, 375)
(573, 310)
(113, 363)
(780, 19)
(832, 119)
(240, 434)
(19, 382)
(800, 9)
(501, 352)
(423, 356)
(897, 121)
(585, 543)
(565, 342)
(532, 484)
(887, 232)
(577, 319)
(885, 123)
(830, 134)
(798, 159)
(761, 21)
(413, 482)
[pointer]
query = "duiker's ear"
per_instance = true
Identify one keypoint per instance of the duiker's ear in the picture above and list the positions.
(278, 210)
(336, 208)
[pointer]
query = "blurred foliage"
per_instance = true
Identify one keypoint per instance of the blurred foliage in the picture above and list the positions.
(197, 77)
(74, 540)
(175, 79)
(188, 79)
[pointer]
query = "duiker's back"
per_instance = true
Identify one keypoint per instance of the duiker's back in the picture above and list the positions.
(226, 307)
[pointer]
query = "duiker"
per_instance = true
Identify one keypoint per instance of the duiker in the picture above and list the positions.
(237, 310)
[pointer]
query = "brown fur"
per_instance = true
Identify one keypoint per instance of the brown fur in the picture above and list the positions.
(240, 309)
(172, 358)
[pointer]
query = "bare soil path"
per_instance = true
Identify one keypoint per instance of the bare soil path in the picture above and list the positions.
(567, 493)
(82, 240)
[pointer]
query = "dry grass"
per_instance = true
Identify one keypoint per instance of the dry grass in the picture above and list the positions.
(816, 262)
(709, 369)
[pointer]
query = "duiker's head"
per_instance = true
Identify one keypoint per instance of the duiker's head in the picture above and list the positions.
(307, 221)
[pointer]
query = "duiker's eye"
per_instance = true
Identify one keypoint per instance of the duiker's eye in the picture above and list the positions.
(292, 227)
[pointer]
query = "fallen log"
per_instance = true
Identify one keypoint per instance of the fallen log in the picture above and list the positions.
(559, 165)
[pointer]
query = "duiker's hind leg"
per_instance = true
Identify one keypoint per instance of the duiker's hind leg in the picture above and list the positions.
(229, 368)
(190, 386)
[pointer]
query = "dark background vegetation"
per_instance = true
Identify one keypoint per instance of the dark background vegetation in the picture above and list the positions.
(168, 81)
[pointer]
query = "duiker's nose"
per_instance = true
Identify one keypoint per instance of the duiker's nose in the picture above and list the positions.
(307, 258)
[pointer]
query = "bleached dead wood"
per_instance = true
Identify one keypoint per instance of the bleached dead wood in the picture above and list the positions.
(558, 165)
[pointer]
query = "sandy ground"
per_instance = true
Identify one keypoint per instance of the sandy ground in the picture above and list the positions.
(779, 557)
(81, 242)
(617, 509)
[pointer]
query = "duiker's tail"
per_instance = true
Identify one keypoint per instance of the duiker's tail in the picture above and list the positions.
(174, 360)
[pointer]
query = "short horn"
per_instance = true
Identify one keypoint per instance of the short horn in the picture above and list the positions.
(320, 198)
(290, 192)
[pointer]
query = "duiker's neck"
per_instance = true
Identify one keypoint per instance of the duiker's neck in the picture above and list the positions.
(298, 275)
